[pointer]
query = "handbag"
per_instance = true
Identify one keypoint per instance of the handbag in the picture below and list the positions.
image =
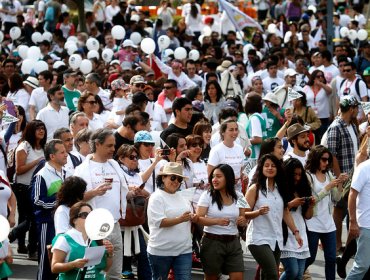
(135, 211)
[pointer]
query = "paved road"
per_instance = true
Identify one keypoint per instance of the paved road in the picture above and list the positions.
(26, 270)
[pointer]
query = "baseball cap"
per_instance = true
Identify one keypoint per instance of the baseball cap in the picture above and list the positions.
(295, 129)
(137, 79)
(348, 101)
(290, 72)
(128, 43)
(366, 72)
(118, 84)
(143, 136)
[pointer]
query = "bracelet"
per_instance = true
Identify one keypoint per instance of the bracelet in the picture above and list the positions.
(295, 231)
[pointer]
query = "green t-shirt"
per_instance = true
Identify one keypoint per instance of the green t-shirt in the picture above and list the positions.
(71, 98)
(272, 123)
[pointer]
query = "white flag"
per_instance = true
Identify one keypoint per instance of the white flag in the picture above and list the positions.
(366, 107)
(7, 119)
(238, 18)
(292, 94)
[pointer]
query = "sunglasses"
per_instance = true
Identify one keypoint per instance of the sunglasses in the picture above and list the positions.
(140, 85)
(148, 144)
(168, 88)
(133, 157)
(92, 102)
(194, 145)
(325, 159)
(319, 76)
(174, 178)
(347, 70)
(83, 215)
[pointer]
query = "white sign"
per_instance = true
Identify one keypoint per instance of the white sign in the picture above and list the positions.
(7, 119)
(293, 95)
(366, 107)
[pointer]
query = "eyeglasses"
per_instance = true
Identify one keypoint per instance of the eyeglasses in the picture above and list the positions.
(174, 178)
(133, 157)
(91, 102)
(347, 70)
(194, 145)
(140, 85)
(168, 88)
(324, 159)
(148, 144)
(319, 76)
(83, 215)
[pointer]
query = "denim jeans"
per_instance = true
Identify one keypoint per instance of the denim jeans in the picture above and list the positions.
(293, 268)
(362, 260)
(161, 265)
(328, 242)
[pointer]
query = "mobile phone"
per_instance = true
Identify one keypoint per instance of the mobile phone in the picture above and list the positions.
(10, 107)
(166, 152)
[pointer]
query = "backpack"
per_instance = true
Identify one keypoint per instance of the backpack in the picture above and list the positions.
(263, 128)
(357, 86)
(49, 14)
(10, 167)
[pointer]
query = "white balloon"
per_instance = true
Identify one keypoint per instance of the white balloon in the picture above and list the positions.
(118, 32)
(107, 55)
(92, 44)
(72, 38)
(47, 36)
(149, 30)
(27, 66)
(344, 31)
(57, 64)
(352, 34)
(99, 224)
(23, 51)
(164, 42)
(36, 37)
(272, 28)
(1, 36)
(167, 53)
(74, 61)
(71, 49)
(15, 32)
(148, 45)
(200, 39)
(287, 37)
(4, 228)
(180, 53)
(68, 43)
(34, 53)
(93, 53)
(86, 66)
(194, 55)
(362, 35)
(135, 37)
(40, 66)
(207, 31)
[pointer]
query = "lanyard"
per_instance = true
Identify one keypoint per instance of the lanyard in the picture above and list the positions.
(315, 93)
(346, 87)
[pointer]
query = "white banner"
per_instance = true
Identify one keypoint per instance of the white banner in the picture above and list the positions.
(7, 119)
(366, 107)
(293, 95)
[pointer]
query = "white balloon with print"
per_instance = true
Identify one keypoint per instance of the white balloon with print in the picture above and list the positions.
(180, 53)
(15, 32)
(36, 37)
(107, 55)
(23, 51)
(163, 42)
(74, 61)
(34, 53)
(99, 224)
(118, 32)
(92, 54)
(194, 55)
(40, 66)
(92, 44)
(147, 45)
(344, 31)
(71, 49)
(135, 37)
(86, 66)
(27, 66)
(352, 34)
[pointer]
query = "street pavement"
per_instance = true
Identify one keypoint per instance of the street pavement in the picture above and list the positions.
(24, 269)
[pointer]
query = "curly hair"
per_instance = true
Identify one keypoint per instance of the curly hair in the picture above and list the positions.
(314, 158)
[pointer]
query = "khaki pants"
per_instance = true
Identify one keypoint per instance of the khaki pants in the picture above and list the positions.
(116, 239)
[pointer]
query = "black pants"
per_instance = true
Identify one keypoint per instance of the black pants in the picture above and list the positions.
(8, 26)
(26, 219)
(262, 14)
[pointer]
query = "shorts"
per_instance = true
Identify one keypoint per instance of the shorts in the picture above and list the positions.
(220, 256)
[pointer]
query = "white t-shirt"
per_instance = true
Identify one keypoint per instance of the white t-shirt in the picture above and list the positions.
(4, 197)
(230, 212)
(320, 103)
(232, 156)
(331, 72)
(61, 219)
(361, 183)
(269, 84)
(255, 130)
(323, 222)
(53, 119)
(96, 122)
(168, 241)
(104, 96)
(119, 104)
(291, 154)
(143, 166)
(157, 115)
(32, 155)
(13, 6)
(349, 87)
(13, 141)
(110, 12)
(62, 244)
(38, 98)
(354, 138)
(21, 98)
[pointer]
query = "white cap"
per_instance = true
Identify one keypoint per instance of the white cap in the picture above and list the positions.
(290, 72)
(128, 43)
(271, 97)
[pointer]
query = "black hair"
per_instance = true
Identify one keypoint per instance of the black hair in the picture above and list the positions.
(226, 113)
(30, 131)
(314, 158)
(180, 103)
(218, 89)
(229, 185)
(268, 146)
(71, 191)
(253, 104)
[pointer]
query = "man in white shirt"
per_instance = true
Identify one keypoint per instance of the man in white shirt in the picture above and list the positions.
(298, 138)
(272, 81)
(9, 10)
(192, 73)
(54, 115)
(93, 83)
(39, 99)
(96, 170)
(331, 71)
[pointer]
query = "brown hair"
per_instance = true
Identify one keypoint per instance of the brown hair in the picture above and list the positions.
(84, 96)
(75, 210)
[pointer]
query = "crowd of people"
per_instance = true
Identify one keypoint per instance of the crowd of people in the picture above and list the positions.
(254, 135)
